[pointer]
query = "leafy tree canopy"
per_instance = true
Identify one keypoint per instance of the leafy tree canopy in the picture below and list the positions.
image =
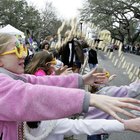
(22, 16)
(120, 17)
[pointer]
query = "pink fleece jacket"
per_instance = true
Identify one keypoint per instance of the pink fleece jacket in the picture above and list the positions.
(41, 72)
(32, 101)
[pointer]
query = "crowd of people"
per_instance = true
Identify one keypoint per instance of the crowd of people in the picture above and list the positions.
(41, 87)
(127, 48)
(135, 49)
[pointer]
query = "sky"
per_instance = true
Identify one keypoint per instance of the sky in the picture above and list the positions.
(66, 8)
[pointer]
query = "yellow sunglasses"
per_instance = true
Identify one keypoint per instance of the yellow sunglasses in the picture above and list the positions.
(20, 50)
(53, 62)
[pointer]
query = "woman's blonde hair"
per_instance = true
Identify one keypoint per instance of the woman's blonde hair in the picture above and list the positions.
(5, 40)
(39, 61)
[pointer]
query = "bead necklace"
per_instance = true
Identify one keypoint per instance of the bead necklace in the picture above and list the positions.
(21, 131)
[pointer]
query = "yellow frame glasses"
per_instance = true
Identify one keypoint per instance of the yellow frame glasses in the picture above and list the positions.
(53, 62)
(19, 50)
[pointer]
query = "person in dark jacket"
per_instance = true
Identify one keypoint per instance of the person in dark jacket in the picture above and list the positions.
(92, 58)
(72, 54)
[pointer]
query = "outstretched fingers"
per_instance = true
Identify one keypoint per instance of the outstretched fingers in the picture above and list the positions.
(99, 77)
(116, 116)
(125, 103)
(125, 112)
(130, 106)
(116, 110)
(130, 100)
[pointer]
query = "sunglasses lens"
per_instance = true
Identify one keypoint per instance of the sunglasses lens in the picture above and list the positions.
(21, 49)
(18, 47)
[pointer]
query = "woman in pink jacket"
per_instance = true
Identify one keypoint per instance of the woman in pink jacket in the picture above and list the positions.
(27, 98)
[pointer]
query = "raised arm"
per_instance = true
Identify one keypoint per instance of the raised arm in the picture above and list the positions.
(132, 90)
(21, 101)
(89, 127)
(66, 126)
(70, 81)
(51, 102)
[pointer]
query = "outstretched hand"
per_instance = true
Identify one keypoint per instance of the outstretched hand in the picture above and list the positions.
(67, 71)
(109, 79)
(114, 105)
(132, 124)
(93, 78)
(60, 70)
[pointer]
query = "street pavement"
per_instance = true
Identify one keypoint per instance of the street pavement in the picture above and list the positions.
(121, 79)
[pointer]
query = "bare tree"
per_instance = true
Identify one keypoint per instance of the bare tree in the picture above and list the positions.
(50, 22)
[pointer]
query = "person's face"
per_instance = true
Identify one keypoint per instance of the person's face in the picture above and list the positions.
(46, 47)
(10, 61)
